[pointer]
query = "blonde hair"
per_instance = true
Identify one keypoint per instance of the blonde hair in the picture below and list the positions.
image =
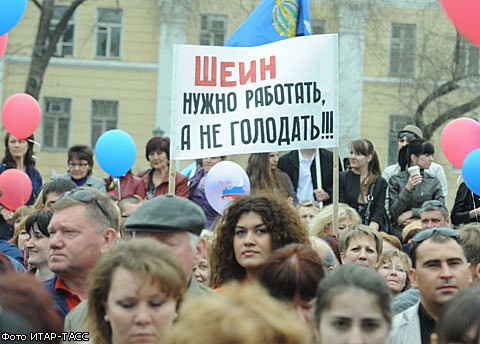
(242, 314)
(357, 231)
(402, 257)
(23, 212)
(324, 219)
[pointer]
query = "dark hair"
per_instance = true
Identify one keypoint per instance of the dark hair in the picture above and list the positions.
(81, 152)
(436, 237)
(161, 144)
(25, 295)
(28, 160)
(281, 220)
(42, 219)
(416, 147)
(292, 273)
(351, 276)
(459, 316)
(57, 185)
(365, 147)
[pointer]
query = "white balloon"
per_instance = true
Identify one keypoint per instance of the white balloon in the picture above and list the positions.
(225, 181)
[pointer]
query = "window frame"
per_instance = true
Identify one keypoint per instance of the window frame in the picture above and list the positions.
(399, 46)
(108, 26)
(103, 118)
(59, 51)
(211, 31)
(56, 118)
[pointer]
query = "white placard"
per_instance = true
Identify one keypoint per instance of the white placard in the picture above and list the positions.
(275, 97)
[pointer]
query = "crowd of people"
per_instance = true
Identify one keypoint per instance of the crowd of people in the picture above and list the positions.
(120, 260)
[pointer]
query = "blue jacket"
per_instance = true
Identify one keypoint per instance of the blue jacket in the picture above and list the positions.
(11, 250)
(198, 196)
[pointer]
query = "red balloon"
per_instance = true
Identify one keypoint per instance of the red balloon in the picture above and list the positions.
(460, 137)
(21, 115)
(16, 187)
(465, 15)
(3, 44)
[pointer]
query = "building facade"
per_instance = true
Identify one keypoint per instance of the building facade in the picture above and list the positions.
(113, 68)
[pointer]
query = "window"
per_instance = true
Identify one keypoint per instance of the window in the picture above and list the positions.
(468, 59)
(403, 50)
(397, 123)
(56, 123)
(319, 26)
(213, 29)
(65, 43)
(109, 32)
(104, 117)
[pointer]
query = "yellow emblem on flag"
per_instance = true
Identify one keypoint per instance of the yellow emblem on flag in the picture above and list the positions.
(284, 16)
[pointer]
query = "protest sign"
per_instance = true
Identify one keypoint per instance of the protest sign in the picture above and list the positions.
(275, 97)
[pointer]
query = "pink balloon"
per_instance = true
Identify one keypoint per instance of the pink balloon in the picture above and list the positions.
(460, 137)
(465, 15)
(16, 187)
(21, 115)
(3, 44)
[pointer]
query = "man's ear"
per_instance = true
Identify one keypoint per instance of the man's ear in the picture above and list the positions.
(109, 238)
(200, 250)
(412, 276)
(476, 273)
(342, 257)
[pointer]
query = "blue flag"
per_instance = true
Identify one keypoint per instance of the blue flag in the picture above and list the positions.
(271, 21)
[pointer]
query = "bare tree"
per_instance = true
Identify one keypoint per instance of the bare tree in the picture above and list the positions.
(45, 44)
(459, 81)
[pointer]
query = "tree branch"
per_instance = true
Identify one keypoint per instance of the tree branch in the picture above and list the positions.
(438, 92)
(454, 113)
(37, 4)
(62, 24)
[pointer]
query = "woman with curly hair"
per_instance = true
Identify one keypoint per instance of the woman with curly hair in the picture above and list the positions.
(266, 177)
(251, 229)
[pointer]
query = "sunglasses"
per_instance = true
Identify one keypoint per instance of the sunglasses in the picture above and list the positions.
(408, 136)
(86, 196)
(428, 233)
(433, 203)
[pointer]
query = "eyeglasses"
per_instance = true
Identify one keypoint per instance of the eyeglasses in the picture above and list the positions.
(407, 135)
(72, 165)
(433, 203)
(428, 233)
(86, 196)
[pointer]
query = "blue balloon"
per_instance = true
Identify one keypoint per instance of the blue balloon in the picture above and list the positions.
(11, 11)
(470, 171)
(115, 152)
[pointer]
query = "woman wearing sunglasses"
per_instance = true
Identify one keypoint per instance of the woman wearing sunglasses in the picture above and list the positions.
(410, 187)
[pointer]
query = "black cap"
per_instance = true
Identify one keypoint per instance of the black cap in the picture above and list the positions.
(167, 213)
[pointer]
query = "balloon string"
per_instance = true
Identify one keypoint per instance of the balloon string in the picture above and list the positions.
(21, 186)
(119, 191)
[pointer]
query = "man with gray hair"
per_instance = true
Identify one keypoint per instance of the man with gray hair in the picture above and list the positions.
(433, 213)
(172, 220)
(83, 227)
(325, 252)
(177, 222)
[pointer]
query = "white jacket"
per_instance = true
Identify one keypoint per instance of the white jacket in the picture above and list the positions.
(406, 327)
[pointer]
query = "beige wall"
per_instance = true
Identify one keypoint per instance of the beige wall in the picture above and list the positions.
(135, 88)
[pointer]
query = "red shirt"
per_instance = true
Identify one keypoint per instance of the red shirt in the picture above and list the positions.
(72, 299)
